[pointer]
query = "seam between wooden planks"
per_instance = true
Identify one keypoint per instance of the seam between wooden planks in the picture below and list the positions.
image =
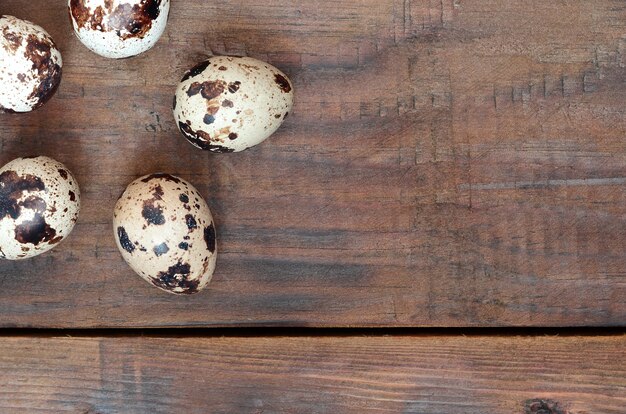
(192, 332)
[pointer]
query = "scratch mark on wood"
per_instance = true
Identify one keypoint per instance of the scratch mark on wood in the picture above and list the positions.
(523, 185)
(441, 20)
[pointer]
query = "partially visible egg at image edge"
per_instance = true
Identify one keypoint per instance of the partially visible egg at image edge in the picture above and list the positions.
(39, 206)
(119, 28)
(30, 65)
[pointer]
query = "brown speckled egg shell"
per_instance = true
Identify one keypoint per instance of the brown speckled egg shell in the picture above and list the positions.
(165, 232)
(229, 104)
(39, 205)
(119, 28)
(30, 65)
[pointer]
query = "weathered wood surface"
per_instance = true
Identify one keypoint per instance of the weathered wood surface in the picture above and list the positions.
(448, 163)
(425, 375)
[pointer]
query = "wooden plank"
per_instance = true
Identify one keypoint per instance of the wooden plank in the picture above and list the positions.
(453, 163)
(436, 374)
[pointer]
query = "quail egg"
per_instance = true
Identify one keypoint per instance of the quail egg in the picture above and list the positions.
(165, 232)
(119, 28)
(229, 104)
(30, 65)
(39, 205)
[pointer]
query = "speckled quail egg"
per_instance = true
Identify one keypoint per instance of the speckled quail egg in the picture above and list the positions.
(119, 28)
(165, 232)
(30, 65)
(39, 205)
(229, 104)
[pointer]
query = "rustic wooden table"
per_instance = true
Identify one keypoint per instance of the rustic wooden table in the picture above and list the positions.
(448, 164)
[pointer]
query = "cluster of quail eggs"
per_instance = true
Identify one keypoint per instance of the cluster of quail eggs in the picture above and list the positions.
(162, 225)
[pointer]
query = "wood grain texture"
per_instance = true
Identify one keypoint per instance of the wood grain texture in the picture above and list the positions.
(448, 163)
(464, 375)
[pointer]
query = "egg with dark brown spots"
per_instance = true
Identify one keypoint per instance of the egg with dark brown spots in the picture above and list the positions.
(119, 28)
(30, 65)
(165, 232)
(229, 104)
(39, 205)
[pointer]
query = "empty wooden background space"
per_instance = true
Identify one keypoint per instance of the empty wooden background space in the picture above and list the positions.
(397, 374)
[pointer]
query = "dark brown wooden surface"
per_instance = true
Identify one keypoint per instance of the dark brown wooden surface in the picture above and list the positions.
(439, 374)
(448, 163)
